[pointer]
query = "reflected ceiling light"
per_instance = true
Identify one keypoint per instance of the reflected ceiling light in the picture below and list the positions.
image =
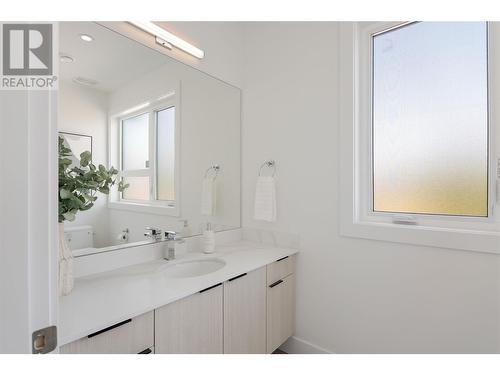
(135, 108)
(172, 93)
(66, 59)
(167, 39)
(85, 81)
(86, 37)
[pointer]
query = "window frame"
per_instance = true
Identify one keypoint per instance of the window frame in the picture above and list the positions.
(423, 217)
(356, 155)
(153, 205)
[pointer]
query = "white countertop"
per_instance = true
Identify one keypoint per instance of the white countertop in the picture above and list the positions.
(101, 300)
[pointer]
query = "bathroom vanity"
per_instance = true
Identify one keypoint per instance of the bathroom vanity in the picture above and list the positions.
(238, 300)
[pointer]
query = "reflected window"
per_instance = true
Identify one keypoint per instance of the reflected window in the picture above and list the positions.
(147, 145)
(135, 142)
(165, 154)
(430, 119)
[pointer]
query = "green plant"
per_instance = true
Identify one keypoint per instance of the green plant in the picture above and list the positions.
(78, 186)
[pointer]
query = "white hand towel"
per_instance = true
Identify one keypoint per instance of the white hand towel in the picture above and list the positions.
(265, 199)
(208, 196)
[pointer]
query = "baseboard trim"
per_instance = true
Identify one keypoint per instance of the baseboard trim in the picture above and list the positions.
(294, 345)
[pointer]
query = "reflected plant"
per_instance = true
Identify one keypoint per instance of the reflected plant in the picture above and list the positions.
(78, 185)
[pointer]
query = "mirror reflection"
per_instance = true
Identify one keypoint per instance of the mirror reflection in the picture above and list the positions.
(170, 132)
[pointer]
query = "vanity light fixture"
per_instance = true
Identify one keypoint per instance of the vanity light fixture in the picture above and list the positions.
(86, 37)
(167, 39)
(164, 43)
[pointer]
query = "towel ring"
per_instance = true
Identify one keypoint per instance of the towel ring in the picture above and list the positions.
(268, 164)
(215, 168)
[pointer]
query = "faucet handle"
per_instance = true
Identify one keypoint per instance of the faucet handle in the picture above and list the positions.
(171, 235)
(152, 232)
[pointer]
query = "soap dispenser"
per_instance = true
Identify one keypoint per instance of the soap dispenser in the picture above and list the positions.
(208, 239)
(185, 231)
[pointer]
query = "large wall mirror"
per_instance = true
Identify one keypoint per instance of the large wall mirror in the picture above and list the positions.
(171, 131)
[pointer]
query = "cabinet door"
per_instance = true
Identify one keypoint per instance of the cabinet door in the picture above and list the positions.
(280, 312)
(280, 269)
(128, 337)
(245, 313)
(192, 325)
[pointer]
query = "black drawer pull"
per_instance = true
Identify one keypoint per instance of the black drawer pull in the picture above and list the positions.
(210, 287)
(279, 260)
(146, 351)
(237, 277)
(275, 283)
(109, 328)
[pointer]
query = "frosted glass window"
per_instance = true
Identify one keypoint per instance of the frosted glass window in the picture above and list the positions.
(138, 189)
(165, 153)
(135, 142)
(430, 119)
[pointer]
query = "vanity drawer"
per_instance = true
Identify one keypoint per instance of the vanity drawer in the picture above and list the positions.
(280, 269)
(128, 337)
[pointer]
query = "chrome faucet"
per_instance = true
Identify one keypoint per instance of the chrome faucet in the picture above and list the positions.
(172, 238)
(153, 233)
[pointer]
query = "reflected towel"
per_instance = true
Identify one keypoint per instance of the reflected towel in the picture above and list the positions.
(208, 196)
(66, 266)
(265, 199)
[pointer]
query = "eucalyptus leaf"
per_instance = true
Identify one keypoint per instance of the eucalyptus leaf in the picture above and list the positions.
(64, 194)
(69, 216)
(87, 207)
(78, 185)
(85, 158)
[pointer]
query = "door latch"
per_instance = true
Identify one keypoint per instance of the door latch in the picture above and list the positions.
(44, 340)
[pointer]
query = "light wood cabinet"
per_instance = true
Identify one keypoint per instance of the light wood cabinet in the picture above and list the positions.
(280, 269)
(245, 313)
(128, 337)
(192, 325)
(250, 313)
(280, 311)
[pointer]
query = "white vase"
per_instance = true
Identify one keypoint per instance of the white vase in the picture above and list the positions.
(66, 278)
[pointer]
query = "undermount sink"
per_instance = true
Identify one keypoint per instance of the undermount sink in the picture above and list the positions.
(193, 268)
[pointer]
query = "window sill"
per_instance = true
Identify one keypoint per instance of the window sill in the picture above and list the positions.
(448, 238)
(145, 208)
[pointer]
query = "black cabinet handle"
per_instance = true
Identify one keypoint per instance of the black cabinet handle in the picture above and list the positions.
(210, 287)
(109, 328)
(237, 277)
(275, 283)
(279, 260)
(146, 351)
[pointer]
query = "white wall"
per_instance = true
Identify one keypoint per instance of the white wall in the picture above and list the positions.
(84, 111)
(353, 296)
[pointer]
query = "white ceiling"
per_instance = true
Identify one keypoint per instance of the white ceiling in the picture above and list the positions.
(110, 59)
